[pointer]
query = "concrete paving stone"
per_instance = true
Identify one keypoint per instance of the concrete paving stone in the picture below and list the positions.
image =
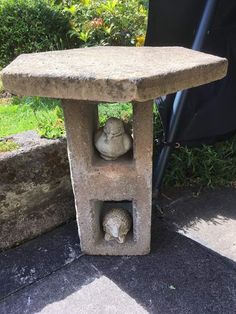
(51, 292)
(38, 258)
(99, 296)
(111, 73)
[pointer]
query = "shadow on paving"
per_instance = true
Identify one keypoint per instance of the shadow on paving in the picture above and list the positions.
(188, 208)
(179, 276)
(209, 218)
(36, 259)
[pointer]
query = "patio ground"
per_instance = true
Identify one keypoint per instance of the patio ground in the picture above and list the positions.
(191, 268)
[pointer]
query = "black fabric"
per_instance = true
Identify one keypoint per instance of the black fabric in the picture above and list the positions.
(210, 110)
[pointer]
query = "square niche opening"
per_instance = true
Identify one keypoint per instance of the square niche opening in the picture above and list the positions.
(100, 210)
(124, 112)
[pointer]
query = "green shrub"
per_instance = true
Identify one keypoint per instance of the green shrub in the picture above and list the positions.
(108, 22)
(40, 25)
(31, 26)
(122, 110)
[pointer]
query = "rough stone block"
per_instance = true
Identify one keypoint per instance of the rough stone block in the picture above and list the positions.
(35, 189)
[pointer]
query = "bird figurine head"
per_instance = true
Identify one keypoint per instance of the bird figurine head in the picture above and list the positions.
(113, 127)
(112, 140)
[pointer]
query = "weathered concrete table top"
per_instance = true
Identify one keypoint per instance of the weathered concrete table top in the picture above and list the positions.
(111, 73)
(83, 78)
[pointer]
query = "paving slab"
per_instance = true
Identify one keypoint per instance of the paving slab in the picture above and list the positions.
(208, 218)
(111, 73)
(38, 297)
(36, 259)
(99, 291)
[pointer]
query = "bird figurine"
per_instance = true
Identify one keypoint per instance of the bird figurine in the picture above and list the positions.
(117, 222)
(112, 141)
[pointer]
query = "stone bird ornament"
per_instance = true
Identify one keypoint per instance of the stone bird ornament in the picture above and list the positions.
(112, 141)
(117, 222)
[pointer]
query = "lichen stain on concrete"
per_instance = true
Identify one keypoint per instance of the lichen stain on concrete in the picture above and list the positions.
(71, 256)
(25, 276)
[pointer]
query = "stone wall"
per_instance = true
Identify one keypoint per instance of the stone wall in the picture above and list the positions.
(35, 189)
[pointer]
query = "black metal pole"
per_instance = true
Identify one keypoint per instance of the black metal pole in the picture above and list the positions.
(180, 99)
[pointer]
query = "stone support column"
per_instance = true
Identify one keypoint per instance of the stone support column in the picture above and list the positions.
(97, 182)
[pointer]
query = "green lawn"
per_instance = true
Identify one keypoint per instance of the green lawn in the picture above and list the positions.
(15, 119)
(22, 115)
(45, 116)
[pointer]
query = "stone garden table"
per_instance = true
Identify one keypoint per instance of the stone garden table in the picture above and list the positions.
(82, 78)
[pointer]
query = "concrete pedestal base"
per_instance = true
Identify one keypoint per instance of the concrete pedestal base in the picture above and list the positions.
(97, 182)
(111, 74)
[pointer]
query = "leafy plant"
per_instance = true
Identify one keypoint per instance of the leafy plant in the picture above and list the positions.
(108, 22)
(204, 166)
(122, 110)
(51, 126)
(49, 116)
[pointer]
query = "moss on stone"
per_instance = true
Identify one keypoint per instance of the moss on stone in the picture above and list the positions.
(8, 145)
